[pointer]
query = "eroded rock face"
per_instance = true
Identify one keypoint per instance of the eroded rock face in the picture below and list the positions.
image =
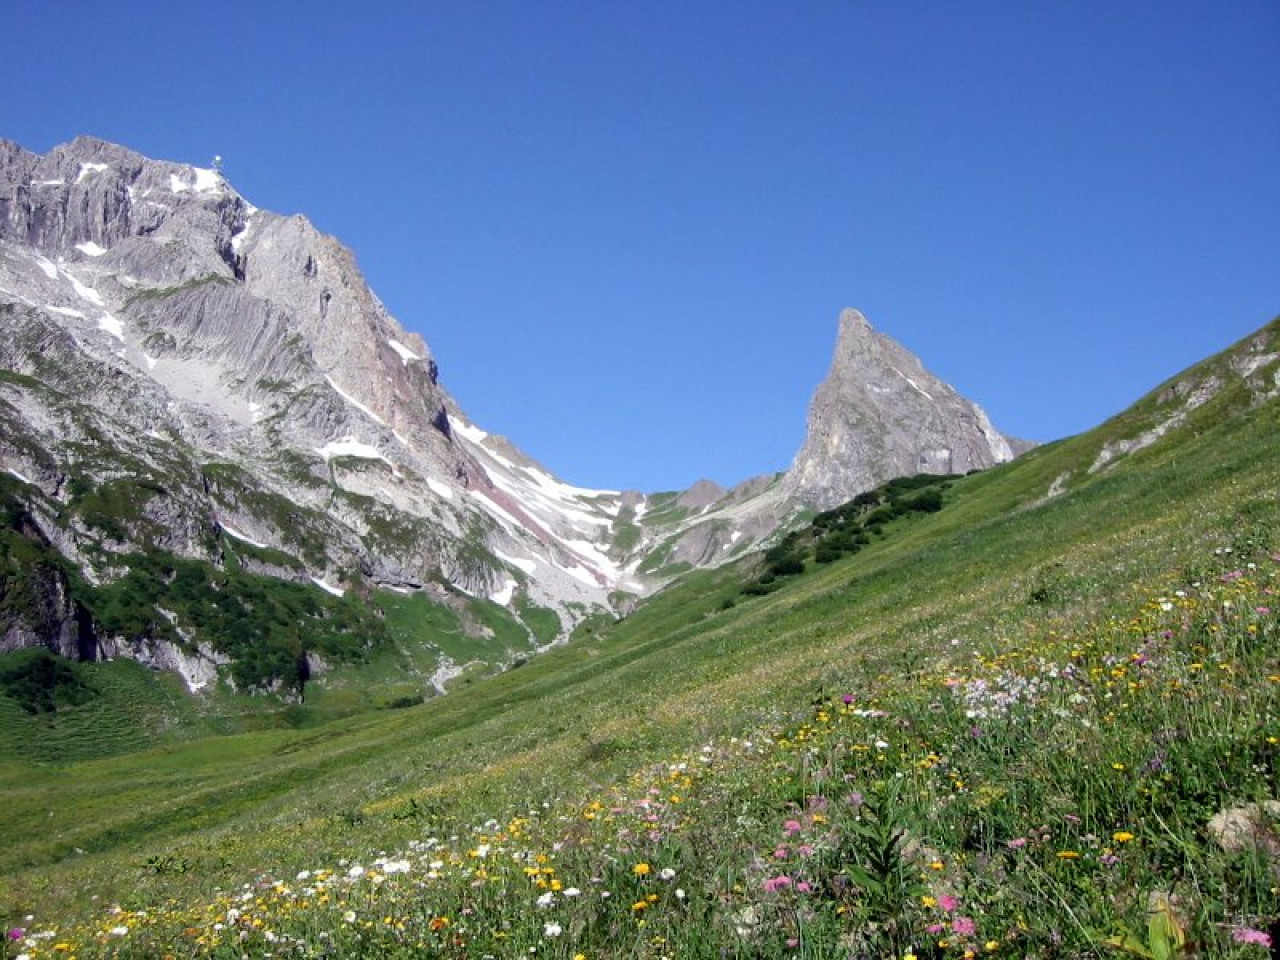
(880, 414)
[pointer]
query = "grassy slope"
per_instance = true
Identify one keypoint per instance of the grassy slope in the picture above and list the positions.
(999, 566)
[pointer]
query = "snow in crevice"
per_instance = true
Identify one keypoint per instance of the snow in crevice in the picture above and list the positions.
(467, 431)
(233, 532)
(327, 587)
(112, 326)
(15, 473)
(350, 447)
(64, 311)
(914, 386)
(90, 249)
(526, 564)
(90, 168)
(203, 181)
(405, 353)
(47, 266)
(238, 238)
(82, 291)
(503, 595)
(150, 361)
(353, 401)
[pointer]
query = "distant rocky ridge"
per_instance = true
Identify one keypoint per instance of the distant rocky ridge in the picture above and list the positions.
(184, 373)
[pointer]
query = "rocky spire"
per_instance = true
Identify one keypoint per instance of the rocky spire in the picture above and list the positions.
(879, 414)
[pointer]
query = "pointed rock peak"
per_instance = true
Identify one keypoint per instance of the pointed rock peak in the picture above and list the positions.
(853, 323)
(880, 414)
(855, 337)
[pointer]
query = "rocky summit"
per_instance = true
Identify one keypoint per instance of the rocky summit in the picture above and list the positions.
(219, 453)
(880, 414)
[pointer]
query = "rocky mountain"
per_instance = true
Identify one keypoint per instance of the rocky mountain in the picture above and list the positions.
(220, 454)
(880, 414)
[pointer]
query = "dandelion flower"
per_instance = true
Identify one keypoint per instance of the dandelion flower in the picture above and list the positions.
(641, 869)
(1122, 836)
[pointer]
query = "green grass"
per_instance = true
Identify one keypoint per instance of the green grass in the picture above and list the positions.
(1048, 699)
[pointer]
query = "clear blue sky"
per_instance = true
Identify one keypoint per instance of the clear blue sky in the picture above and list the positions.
(626, 229)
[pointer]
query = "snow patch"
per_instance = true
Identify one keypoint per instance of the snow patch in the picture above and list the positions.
(439, 489)
(405, 353)
(48, 183)
(113, 326)
(49, 269)
(350, 447)
(238, 238)
(914, 386)
(526, 564)
(83, 292)
(91, 249)
(353, 401)
(88, 168)
(150, 360)
(466, 430)
(231, 531)
(503, 595)
(15, 473)
(64, 311)
(326, 587)
(207, 180)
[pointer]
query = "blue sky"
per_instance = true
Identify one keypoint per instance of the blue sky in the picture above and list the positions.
(626, 229)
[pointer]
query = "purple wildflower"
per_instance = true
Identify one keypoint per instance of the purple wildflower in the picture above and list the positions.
(1249, 935)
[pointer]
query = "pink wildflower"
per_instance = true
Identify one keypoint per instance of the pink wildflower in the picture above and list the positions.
(948, 902)
(963, 926)
(792, 827)
(1248, 935)
(774, 884)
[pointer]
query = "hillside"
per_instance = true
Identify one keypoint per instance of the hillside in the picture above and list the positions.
(1041, 720)
(222, 456)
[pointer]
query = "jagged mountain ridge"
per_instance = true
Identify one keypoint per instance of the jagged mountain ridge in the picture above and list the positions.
(228, 376)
